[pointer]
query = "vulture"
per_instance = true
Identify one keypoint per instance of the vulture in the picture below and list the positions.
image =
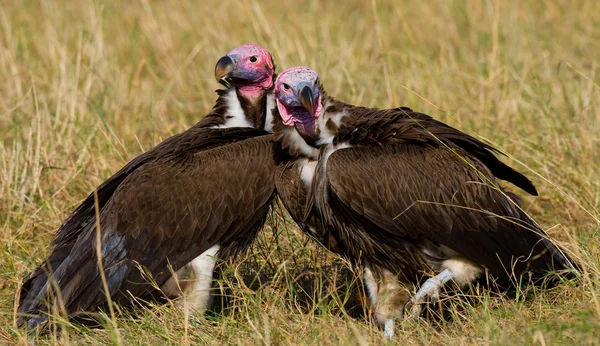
(413, 200)
(197, 196)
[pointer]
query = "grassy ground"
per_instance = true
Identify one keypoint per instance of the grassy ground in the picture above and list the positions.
(87, 85)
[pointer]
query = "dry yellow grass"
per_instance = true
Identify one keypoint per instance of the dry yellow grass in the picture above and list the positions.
(87, 85)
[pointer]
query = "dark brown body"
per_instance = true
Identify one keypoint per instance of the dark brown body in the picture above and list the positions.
(293, 195)
(201, 205)
(414, 201)
(199, 188)
(408, 189)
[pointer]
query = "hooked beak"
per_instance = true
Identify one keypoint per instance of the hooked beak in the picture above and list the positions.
(223, 70)
(307, 99)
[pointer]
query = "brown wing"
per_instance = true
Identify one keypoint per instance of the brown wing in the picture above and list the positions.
(192, 140)
(291, 190)
(400, 193)
(368, 126)
(168, 213)
(195, 139)
(293, 195)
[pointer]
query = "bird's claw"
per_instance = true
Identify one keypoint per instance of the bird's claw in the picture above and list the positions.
(412, 309)
(430, 289)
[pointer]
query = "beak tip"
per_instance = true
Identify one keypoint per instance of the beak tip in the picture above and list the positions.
(225, 81)
(223, 69)
(307, 98)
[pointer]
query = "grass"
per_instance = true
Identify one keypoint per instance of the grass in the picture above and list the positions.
(87, 85)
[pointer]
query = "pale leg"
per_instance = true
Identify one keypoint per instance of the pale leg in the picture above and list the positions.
(431, 288)
(458, 269)
(387, 295)
(194, 281)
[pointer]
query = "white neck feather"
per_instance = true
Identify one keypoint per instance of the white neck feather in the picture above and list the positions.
(269, 116)
(326, 135)
(235, 116)
(300, 144)
(307, 168)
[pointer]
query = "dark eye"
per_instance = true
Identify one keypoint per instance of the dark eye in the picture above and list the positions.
(253, 58)
(286, 87)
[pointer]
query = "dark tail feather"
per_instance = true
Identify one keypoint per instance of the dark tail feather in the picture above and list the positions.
(547, 256)
(528, 255)
(562, 264)
(39, 278)
(73, 268)
(549, 263)
(507, 173)
(41, 299)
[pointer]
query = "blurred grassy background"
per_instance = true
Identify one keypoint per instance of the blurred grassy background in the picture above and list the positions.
(87, 85)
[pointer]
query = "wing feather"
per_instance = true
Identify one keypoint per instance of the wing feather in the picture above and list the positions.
(168, 213)
(367, 126)
(404, 192)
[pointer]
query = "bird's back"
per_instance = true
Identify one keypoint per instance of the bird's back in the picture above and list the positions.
(138, 199)
(403, 193)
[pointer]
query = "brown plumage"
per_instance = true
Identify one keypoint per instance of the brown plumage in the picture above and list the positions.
(203, 200)
(404, 194)
(293, 195)
(377, 128)
(208, 186)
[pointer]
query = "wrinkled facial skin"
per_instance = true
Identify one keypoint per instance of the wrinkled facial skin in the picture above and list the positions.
(298, 95)
(249, 68)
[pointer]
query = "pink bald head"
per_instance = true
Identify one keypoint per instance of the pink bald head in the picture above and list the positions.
(249, 50)
(297, 92)
(249, 68)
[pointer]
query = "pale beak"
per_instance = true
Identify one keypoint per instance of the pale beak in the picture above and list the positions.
(307, 98)
(223, 70)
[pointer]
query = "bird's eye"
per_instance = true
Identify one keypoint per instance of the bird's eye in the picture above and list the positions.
(286, 87)
(253, 58)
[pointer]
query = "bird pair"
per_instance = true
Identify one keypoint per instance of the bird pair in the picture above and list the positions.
(400, 193)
